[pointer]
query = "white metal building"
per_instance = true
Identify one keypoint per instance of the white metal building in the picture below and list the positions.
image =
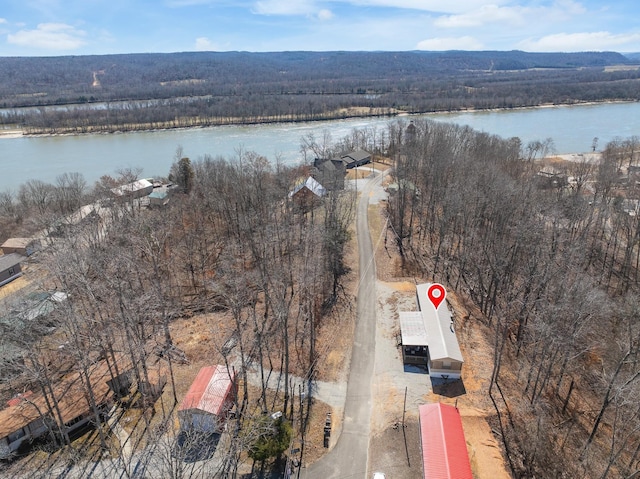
(437, 336)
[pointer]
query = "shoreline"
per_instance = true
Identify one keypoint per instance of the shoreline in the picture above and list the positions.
(344, 115)
(12, 133)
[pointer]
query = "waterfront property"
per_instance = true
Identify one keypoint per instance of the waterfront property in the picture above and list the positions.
(210, 398)
(355, 159)
(444, 448)
(133, 190)
(161, 194)
(148, 149)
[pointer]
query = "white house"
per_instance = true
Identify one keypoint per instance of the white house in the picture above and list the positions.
(136, 189)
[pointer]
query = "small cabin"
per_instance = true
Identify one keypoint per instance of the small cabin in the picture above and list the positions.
(549, 177)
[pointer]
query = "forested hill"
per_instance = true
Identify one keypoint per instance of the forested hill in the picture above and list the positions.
(211, 88)
(46, 80)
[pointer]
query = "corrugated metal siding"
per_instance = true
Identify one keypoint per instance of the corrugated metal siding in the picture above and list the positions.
(412, 329)
(444, 449)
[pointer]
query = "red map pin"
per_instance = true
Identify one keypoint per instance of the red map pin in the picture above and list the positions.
(436, 293)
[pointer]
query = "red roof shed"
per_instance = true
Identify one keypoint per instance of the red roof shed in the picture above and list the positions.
(210, 390)
(444, 449)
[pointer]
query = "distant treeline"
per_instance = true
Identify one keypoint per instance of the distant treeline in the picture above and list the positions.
(105, 93)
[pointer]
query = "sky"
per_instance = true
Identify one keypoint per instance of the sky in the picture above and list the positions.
(88, 27)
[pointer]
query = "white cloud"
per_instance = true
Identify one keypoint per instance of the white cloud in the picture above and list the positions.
(325, 14)
(580, 42)
(203, 44)
(3, 20)
(307, 8)
(512, 16)
(450, 43)
(485, 14)
(49, 36)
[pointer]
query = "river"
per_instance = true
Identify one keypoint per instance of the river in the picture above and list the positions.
(572, 128)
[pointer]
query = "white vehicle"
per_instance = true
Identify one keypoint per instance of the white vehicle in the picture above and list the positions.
(378, 475)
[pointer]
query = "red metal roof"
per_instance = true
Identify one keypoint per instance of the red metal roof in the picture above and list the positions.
(210, 390)
(444, 449)
(18, 398)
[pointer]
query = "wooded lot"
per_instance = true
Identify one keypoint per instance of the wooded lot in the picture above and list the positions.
(150, 91)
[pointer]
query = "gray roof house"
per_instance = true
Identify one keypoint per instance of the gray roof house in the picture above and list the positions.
(356, 158)
(329, 173)
(10, 267)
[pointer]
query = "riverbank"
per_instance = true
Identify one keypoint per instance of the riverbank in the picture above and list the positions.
(341, 114)
(11, 133)
(93, 155)
(205, 122)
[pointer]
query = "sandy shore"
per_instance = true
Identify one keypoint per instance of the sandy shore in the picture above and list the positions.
(13, 133)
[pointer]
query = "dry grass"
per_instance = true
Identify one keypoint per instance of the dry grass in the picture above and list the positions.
(314, 439)
(13, 287)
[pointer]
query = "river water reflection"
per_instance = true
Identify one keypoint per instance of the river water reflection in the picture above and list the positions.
(571, 127)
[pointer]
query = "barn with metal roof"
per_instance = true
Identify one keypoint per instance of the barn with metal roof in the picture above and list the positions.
(209, 399)
(444, 448)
